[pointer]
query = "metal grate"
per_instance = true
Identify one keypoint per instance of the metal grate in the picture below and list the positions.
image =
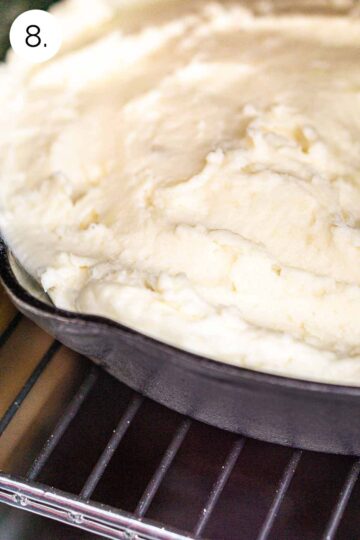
(117, 465)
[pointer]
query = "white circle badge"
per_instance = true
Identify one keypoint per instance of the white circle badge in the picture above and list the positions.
(35, 36)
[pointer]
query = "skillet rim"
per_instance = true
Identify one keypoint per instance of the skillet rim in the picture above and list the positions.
(191, 361)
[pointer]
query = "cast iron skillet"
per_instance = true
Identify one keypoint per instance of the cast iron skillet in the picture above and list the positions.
(297, 413)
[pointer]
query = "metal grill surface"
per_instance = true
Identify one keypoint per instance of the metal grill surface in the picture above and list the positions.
(79, 448)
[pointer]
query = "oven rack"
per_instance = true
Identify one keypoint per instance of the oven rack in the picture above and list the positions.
(212, 512)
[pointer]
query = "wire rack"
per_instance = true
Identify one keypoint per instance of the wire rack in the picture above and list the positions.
(80, 448)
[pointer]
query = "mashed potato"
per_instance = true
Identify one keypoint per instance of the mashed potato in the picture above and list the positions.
(192, 170)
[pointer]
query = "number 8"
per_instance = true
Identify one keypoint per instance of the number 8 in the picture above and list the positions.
(34, 35)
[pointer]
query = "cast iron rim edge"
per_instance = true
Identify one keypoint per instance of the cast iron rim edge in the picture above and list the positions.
(192, 362)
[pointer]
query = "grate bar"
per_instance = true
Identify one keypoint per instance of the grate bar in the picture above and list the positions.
(10, 329)
(164, 466)
(219, 485)
(20, 398)
(280, 494)
(69, 414)
(96, 518)
(342, 502)
(113, 443)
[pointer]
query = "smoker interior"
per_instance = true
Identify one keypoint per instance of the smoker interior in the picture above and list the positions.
(78, 447)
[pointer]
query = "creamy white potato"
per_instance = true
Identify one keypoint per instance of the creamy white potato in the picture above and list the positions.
(192, 170)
